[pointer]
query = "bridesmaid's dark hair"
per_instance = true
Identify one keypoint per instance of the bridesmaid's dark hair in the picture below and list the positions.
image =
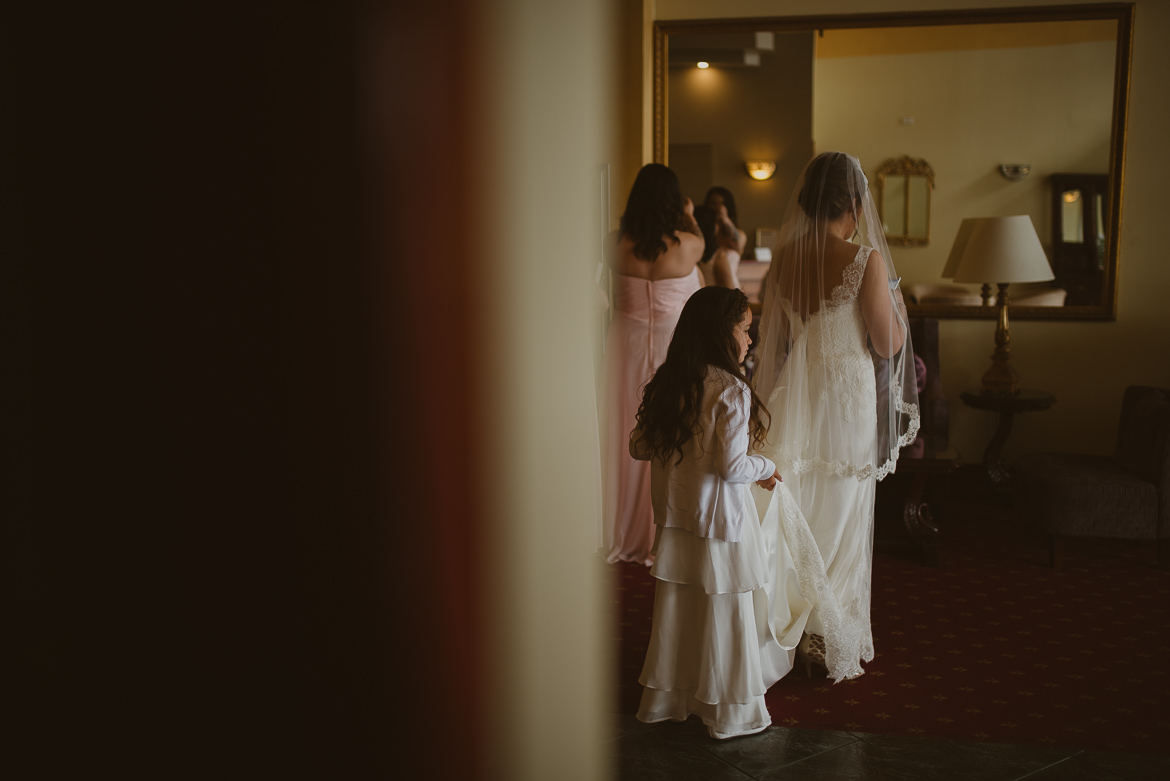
(654, 211)
(728, 201)
(705, 217)
(704, 336)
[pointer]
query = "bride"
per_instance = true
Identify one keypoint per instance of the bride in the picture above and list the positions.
(836, 370)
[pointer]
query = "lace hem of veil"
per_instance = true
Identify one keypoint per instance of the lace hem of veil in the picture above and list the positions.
(848, 637)
(798, 466)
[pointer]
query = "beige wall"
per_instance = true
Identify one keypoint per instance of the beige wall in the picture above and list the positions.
(1087, 365)
(544, 74)
(761, 113)
(1048, 106)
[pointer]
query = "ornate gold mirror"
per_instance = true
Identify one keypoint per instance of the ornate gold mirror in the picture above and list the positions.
(980, 94)
(903, 198)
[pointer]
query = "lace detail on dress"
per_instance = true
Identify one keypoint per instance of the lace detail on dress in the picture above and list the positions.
(837, 340)
(851, 376)
(789, 463)
(848, 636)
(836, 344)
(851, 279)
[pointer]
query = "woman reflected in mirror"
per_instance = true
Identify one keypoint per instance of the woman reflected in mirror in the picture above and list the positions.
(720, 264)
(727, 229)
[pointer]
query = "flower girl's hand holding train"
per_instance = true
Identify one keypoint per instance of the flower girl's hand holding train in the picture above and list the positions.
(769, 483)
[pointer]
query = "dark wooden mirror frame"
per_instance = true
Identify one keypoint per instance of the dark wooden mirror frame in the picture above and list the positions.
(1122, 13)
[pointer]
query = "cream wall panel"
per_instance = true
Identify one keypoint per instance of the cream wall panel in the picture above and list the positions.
(543, 83)
(1050, 107)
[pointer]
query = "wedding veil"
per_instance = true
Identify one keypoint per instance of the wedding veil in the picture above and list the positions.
(822, 388)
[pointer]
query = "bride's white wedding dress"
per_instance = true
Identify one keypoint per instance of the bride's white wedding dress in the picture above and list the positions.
(818, 527)
(835, 370)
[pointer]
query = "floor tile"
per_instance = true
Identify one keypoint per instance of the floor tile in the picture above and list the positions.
(857, 761)
(1135, 767)
(625, 724)
(670, 752)
(1075, 770)
(776, 747)
(959, 760)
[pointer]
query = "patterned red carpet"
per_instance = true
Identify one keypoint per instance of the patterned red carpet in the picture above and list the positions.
(993, 645)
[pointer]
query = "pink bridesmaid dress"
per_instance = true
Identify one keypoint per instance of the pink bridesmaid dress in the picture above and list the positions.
(645, 313)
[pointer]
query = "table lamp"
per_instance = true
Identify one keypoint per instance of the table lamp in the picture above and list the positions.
(1001, 250)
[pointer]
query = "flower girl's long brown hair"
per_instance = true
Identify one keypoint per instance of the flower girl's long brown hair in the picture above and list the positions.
(704, 336)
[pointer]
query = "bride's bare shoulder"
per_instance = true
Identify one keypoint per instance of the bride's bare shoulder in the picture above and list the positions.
(840, 253)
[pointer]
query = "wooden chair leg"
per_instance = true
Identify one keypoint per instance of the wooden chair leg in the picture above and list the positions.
(1056, 551)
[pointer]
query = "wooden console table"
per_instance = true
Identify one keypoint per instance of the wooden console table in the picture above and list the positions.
(1007, 407)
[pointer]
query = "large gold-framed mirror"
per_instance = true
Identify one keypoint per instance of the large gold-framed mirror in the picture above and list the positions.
(971, 91)
(903, 187)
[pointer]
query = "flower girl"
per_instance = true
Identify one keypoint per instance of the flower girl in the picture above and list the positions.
(711, 650)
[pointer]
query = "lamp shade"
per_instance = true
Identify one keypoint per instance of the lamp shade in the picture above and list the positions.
(998, 249)
(958, 247)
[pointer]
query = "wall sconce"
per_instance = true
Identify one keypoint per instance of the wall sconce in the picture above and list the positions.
(760, 169)
(1014, 172)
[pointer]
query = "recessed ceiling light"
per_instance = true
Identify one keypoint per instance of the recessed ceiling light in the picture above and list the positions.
(704, 65)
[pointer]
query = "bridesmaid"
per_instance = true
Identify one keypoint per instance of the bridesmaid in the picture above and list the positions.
(726, 219)
(720, 265)
(655, 272)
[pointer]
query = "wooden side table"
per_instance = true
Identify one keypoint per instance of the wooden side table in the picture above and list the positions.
(1007, 407)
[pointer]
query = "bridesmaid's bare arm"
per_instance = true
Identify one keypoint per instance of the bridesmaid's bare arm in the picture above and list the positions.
(690, 225)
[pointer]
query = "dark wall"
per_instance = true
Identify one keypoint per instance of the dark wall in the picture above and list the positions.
(242, 555)
(750, 113)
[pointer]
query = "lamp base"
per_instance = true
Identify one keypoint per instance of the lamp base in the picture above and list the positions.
(1001, 379)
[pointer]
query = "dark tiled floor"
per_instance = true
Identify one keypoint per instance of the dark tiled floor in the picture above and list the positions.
(683, 752)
